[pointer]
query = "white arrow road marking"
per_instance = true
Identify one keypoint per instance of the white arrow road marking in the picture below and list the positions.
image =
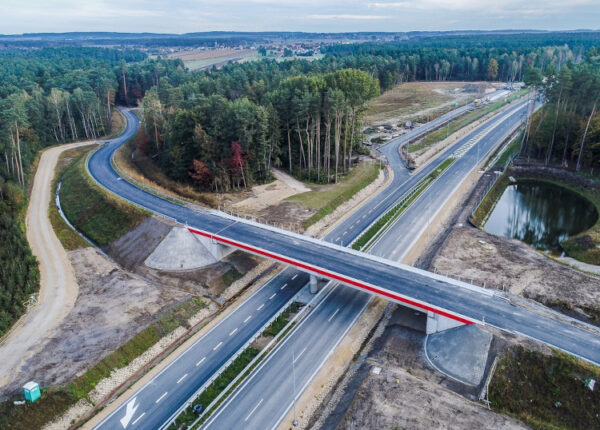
(130, 411)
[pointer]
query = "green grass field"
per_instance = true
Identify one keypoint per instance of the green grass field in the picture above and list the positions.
(328, 197)
(99, 216)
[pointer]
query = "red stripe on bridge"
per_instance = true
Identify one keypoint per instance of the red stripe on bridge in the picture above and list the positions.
(331, 275)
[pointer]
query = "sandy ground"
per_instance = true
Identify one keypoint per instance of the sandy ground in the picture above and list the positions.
(111, 307)
(420, 99)
(58, 286)
(509, 264)
(263, 196)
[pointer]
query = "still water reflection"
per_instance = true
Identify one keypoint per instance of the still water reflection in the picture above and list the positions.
(540, 214)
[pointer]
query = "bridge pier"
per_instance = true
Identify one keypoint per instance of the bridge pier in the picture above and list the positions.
(314, 284)
(437, 323)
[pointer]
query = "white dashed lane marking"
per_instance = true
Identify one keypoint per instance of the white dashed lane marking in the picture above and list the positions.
(182, 378)
(252, 411)
(248, 318)
(161, 397)
(200, 362)
(233, 332)
(218, 346)
(260, 307)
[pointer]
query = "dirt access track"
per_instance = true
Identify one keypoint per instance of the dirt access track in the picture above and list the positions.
(58, 286)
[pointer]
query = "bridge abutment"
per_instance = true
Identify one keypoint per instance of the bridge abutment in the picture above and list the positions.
(437, 323)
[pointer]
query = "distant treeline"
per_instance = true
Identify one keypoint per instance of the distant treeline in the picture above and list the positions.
(223, 129)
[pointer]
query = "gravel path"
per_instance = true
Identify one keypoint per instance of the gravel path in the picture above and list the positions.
(58, 287)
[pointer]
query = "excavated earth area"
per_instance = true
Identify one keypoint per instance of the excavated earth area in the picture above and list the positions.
(112, 306)
(118, 297)
(392, 385)
(470, 254)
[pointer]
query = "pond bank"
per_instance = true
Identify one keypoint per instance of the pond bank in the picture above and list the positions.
(584, 246)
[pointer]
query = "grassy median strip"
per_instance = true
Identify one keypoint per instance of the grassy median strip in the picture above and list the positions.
(455, 125)
(330, 197)
(241, 365)
(377, 229)
(57, 400)
(100, 216)
(546, 391)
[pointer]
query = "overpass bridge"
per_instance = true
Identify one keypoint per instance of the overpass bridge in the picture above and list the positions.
(436, 294)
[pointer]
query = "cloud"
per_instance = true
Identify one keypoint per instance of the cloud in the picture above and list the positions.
(347, 17)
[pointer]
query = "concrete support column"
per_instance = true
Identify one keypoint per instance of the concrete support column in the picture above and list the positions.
(314, 286)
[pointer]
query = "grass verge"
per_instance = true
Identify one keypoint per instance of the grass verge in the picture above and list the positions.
(377, 229)
(485, 208)
(453, 126)
(68, 237)
(329, 197)
(241, 365)
(546, 391)
(57, 400)
(99, 216)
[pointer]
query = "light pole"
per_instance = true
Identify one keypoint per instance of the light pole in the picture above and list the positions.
(295, 422)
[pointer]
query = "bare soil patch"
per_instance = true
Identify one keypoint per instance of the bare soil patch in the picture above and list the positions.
(476, 256)
(111, 307)
(418, 100)
(391, 385)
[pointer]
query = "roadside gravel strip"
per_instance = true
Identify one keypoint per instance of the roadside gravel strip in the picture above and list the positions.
(58, 286)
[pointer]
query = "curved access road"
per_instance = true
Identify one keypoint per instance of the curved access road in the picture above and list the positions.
(58, 286)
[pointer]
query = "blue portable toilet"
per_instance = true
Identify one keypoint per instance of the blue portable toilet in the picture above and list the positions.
(32, 391)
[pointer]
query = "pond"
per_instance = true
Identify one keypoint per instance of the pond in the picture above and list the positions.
(541, 215)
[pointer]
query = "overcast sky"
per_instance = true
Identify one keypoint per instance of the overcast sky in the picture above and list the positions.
(183, 16)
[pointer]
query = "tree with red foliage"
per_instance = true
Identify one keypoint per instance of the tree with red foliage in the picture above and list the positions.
(237, 162)
(201, 174)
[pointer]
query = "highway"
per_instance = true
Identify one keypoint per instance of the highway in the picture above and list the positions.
(267, 395)
(151, 404)
(142, 408)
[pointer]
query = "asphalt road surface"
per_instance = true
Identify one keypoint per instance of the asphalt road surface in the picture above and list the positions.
(267, 396)
(144, 409)
(152, 406)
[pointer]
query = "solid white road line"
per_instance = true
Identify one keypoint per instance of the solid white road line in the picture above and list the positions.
(200, 362)
(300, 355)
(260, 307)
(284, 285)
(182, 378)
(295, 276)
(271, 298)
(233, 332)
(334, 314)
(248, 318)
(252, 411)
(161, 397)
(218, 346)
(138, 418)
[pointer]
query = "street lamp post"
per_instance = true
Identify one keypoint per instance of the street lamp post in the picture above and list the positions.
(295, 423)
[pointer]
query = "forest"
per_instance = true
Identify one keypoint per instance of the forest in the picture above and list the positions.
(224, 129)
(47, 96)
(566, 131)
